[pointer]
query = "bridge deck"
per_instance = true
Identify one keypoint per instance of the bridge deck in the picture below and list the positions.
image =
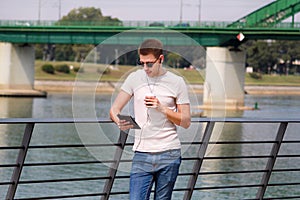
(206, 33)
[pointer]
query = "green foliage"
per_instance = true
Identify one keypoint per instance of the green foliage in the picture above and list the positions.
(107, 71)
(274, 56)
(88, 16)
(103, 70)
(173, 59)
(64, 52)
(255, 75)
(64, 68)
(39, 51)
(78, 69)
(48, 68)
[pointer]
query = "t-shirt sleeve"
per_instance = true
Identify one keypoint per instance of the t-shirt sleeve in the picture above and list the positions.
(128, 84)
(182, 96)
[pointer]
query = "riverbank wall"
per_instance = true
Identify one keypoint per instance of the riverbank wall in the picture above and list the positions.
(42, 87)
(109, 87)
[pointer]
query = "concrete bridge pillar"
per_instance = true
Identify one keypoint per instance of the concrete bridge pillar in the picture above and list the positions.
(224, 81)
(16, 66)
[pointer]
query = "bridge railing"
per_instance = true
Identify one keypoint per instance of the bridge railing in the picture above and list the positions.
(166, 24)
(203, 170)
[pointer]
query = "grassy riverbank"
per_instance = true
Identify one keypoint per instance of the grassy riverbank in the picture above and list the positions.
(93, 72)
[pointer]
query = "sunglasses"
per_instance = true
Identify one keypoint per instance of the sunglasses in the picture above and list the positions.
(148, 64)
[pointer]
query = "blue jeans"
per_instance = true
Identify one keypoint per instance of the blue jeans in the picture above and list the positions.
(159, 168)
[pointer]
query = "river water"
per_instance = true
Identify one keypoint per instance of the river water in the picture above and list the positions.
(60, 105)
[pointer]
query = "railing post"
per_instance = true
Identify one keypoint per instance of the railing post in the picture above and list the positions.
(197, 165)
(114, 167)
(20, 162)
(269, 168)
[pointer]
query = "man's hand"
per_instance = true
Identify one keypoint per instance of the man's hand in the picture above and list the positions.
(124, 125)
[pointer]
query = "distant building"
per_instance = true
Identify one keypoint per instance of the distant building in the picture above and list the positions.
(249, 69)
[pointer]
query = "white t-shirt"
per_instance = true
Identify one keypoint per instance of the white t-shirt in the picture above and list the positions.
(157, 133)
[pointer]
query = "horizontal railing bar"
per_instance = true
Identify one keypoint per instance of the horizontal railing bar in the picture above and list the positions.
(186, 174)
(238, 172)
(234, 157)
(288, 156)
(74, 162)
(230, 142)
(8, 165)
(106, 120)
(129, 160)
(280, 198)
(241, 142)
(180, 174)
(238, 157)
(73, 196)
(232, 172)
(217, 187)
(286, 170)
(68, 163)
(281, 184)
(62, 146)
(181, 189)
(53, 120)
(118, 193)
(11, 147)
(104, 178)
(274, 198)
(72, 146)
(245, 120)
(71, 179)
(227, 187)
(291, 141)
(62, 196)
(63, 163)
(248, 171)
(64, 180)
(130, 144)
(122, 177)
(226, 157)
(6, 183)
(239, 186)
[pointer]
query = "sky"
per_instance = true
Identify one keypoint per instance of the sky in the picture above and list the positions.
(134, 10)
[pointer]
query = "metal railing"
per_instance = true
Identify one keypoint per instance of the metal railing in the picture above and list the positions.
(166, 24)
(195, 179)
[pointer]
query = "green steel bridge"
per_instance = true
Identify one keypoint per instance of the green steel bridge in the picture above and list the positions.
(264, 23)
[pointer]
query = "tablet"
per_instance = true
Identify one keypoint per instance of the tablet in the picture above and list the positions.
(129, 119)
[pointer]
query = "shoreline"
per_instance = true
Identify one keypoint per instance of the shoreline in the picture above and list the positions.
(109, 87)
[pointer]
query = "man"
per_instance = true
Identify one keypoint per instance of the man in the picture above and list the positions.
(160, 102)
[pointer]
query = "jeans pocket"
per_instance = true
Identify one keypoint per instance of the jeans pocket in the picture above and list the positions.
(174, 154)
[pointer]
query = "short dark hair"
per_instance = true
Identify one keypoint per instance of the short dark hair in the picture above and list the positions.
(151, 46)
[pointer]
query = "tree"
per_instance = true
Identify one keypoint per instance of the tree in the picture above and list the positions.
(173, 59)
(273, 56)
(261, 55)
(289, 51)
(88, 16)
(80, 16)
